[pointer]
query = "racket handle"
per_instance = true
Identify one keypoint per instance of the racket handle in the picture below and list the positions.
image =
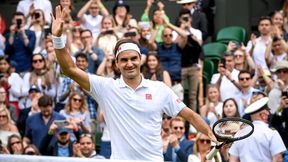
(212, 153)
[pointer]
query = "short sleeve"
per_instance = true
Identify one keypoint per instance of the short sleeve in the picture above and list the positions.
(276, 144)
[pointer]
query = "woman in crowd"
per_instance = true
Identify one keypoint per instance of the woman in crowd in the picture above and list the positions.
(40, 76)
(107, 39)
(212, 110)
(4, 103)
(153, 70)
(12, 82)
(31, 149)
(277, 19)
(76, 43)
(230, 108)
(15, 144)
(201, 148)
(7, 126)
(37, 25)
(76, 109)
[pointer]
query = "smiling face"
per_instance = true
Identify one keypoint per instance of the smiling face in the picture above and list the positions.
(38, 62)
(230, 109)
(3, 117)
(76, 102)
(4, 66)
(213, 94)
(128, 62)
(178, 128)
(152, 62)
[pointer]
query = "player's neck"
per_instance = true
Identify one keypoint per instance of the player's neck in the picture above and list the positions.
(133, 82)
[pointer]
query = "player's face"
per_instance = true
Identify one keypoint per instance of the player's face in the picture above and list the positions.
(128, 63)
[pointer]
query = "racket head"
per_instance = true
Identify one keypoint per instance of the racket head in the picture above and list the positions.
(232, 129)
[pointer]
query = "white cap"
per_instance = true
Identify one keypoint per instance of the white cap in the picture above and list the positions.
(257, 105)
(186, 1)
(127, 46)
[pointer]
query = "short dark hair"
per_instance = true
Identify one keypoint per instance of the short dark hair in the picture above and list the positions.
(18, 14)
(244, 72)
(86, 30)
(45, 101)
(262, 18)
(184, 11)
(81, 55)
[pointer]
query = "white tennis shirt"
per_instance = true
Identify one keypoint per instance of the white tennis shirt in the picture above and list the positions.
(133, 116)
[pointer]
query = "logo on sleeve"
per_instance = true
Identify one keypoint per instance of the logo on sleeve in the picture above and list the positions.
(148, 96)
(178, 100)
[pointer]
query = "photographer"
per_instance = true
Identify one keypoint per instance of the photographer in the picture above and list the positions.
(20, 44)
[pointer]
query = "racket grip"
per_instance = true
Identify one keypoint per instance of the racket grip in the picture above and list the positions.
(212, 153)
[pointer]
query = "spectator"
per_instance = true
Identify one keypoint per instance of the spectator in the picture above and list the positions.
(86, 148)
(37, 25)
(201, 148)
(15, 144)
(230, 108)
(213, 108)
(242, 59)
(37, 125)
(179, 147)
(41, 76)
(276, 51)
(2, 38)
(27, 7)
(257, 46)
(20, 43)
(165, 131)
(69, 6)
(277, 19)
(227, 77)
(95, 55)
(145, 31)
(107, 67)
(4, 103)
(199, 18)
(31, 149)
(153, 69)
(271, 143)
(76, 43)
(7, 126)
(76, 109)
(92, 21)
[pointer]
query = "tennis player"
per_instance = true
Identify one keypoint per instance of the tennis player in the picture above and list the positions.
(133, 106)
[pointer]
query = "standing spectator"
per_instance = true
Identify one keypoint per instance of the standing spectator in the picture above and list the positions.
(92, 21)
(145, 31)
(179, 147)
(199, 18)
(27, 7)
(270, 141)
(86, 148)
(15, 144)
(227, 77)
(275, 52)
(69, 6)
(20, 43)
(95, 55)
(257, 46)
(37, 125)
(153, 69)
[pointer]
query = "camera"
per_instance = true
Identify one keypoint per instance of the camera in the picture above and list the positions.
(47, 31)
(223, 62)
(109, 32)
(285, 93)
(18, 23)
(61, 123)
(36, 15)
(185, 18)
(130, 34)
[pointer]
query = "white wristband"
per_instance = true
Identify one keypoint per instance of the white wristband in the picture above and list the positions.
(59, 42)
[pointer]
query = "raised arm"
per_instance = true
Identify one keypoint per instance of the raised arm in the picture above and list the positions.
(65, 61)
(84, 9)
(182, 38)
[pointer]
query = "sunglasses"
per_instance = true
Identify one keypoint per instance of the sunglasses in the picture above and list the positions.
(176, 128)
(242, 79)
(281, 71)
(86, 135)
(17, 142)
(39, 60)
(238, 55)
(3, 116)
(77, 100)
(204, 141)
(167, 35)
(166, 118)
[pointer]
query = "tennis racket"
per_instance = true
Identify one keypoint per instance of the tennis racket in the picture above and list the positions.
(228, 130)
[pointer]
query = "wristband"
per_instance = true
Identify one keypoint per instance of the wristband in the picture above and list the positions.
(59, 42)
(265, 77)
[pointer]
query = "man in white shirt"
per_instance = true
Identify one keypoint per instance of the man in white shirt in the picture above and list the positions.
(257, 47)
(28, 6)
(227, 78)
(133, 106)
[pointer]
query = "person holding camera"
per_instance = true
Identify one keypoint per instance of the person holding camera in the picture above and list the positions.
(20, 44)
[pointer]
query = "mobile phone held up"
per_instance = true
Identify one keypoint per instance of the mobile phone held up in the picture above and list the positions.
(18, 23)
(285, 93)
(61, 123)
(223, 62)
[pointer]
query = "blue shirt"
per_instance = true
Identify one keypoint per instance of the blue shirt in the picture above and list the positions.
(93, 65)
(63, 151)
(170, 59)
(19, 53)
(36, 129)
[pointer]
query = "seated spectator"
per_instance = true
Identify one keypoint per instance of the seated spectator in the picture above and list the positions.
(86, 148)
(153, 69)
(166, 130)
(41, 76)
(276, 51)
(15, 144)
(31, 150)
(4, 103)
(76, 109)
(277, 19)
(92, 20)
(201, 148)
(20, 43)
(37, 125)
(179, 147)
(7, 126)
(230, 108)
(213, 108)
(107, 67)
(2, 38)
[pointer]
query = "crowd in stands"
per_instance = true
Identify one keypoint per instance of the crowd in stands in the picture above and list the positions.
(43, 112)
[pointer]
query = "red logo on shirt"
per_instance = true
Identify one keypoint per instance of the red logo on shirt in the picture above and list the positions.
(178, 100)
(148, 96)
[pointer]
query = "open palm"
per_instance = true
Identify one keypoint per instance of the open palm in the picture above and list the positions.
(58, 21)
